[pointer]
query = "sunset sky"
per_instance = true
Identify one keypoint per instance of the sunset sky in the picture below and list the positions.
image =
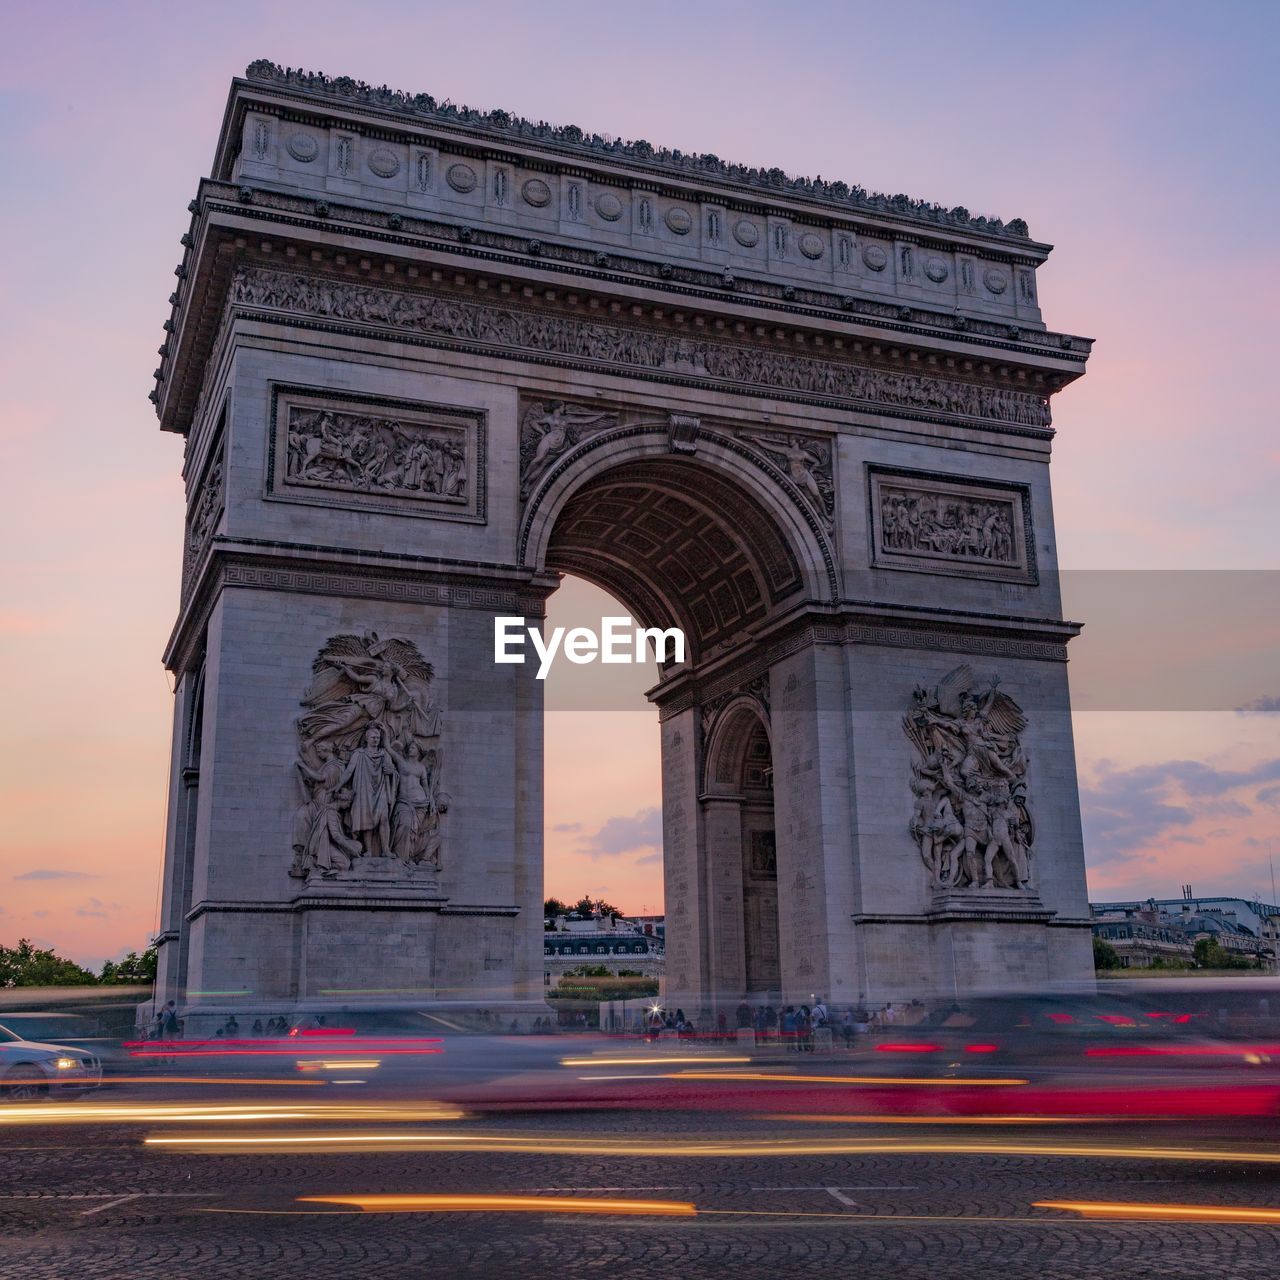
(1140, 139)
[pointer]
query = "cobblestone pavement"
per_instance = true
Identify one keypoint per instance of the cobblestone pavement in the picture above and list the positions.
(90, 1201)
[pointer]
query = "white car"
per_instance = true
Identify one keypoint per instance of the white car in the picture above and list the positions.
(30, 1070)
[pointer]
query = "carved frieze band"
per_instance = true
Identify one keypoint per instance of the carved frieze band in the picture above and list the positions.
(615, 346)
(951, 525)
(375, 453)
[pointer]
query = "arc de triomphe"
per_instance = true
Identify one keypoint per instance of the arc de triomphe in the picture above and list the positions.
(425, 360)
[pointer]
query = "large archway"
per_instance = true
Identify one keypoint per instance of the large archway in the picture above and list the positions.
(684, 541)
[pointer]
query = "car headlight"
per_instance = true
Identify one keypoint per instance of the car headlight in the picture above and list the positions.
(66, 1064)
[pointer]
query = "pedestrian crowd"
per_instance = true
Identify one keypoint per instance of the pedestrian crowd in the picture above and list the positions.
(793, 1026)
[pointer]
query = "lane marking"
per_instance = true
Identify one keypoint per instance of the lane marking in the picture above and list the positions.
(111, 1204)
(836, 1194)
(444, 1022)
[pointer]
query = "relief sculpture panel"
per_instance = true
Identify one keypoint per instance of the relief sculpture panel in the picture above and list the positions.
(369, 763)
(951, 526)
(207, 504)
(970, 819)
(392, 455)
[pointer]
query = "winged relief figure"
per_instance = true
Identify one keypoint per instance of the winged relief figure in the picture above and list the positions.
(970, 817)
(549, 429)
(808, 465)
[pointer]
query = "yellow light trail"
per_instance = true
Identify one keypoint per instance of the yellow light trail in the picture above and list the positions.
(504, 1204)
(1101, 1209)
(343, 1064)
(643, 1062)
(227, 1144)
(148, 1113)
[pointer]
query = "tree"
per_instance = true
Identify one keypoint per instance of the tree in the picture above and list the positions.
(1211, 954)
(1105, 956)
(586, 906)
(589, 906)
(28, 966)
(133, 968)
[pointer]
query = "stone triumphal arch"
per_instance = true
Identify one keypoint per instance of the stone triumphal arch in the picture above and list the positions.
(426, 360)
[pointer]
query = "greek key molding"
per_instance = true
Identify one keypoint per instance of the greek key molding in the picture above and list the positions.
(593, 344)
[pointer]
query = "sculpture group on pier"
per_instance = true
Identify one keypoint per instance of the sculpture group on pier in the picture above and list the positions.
(369, 760)
(970, 818)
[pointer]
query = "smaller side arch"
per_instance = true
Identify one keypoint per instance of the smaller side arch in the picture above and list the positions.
(727, 741)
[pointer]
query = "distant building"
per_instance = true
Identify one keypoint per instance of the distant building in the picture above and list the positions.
(614, 943)
(1157, 931)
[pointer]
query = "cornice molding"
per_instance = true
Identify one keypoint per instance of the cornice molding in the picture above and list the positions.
(916, 323)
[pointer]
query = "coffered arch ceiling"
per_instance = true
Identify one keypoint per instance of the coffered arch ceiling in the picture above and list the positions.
(680, 545)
